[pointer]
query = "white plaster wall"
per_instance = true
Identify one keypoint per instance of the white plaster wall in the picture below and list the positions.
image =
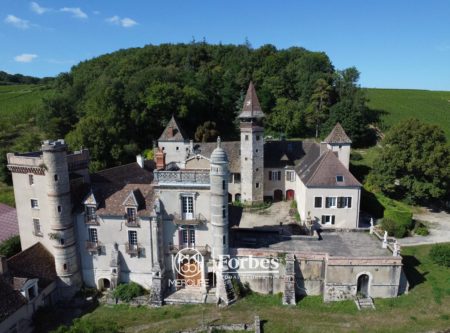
(283, 184)
(172, 154)
(343, 151)
(113, 230)
(344, 217)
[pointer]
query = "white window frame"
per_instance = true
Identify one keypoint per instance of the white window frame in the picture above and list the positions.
(275, 175)
(132, 240)
(188, 236)
(31, 179)
(93, 235)
(37, 223)
(290, 175)
(331, 200)
(330, 217)
(187, 207)
(345, 200)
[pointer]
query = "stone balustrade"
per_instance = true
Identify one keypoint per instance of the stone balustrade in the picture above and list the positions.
(182, 177)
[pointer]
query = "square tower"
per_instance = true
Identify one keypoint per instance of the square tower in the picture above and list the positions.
(252, 148)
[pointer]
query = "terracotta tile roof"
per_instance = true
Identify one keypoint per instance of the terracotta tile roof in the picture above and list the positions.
(10, 300)
(173, 132)
(324, 170)
(337, 135)
(251, 107)
(34, 262)
(8, 222)
(112, 187)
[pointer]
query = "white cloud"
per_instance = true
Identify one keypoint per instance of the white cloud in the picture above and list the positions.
(25, 57)
(77, 12)
(17, 22)
(38, 9)
(125, 22)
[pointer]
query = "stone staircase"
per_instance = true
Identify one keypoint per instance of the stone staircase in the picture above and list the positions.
(186, 296)
(230, 296)
(363, 303)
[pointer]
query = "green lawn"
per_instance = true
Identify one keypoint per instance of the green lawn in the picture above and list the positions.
(399, 104)
(426, 308)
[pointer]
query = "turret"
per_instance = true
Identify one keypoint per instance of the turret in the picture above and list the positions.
(54, 155)
(219, 201)
(339, 142)
(252, 148)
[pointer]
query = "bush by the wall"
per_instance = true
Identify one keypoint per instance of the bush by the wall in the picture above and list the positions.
(440, 254)
(396, 222)
(421, 229)
(127, 291)
(10, 247)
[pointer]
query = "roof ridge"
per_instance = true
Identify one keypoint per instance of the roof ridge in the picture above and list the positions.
(321, 156)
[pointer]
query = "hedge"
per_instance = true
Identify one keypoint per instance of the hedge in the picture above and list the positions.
(396, 222)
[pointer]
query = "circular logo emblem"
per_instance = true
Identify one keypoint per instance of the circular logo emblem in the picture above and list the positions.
(188, 262)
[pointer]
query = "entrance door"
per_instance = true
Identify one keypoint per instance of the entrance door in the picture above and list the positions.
(363, 285)
(188, 236)
(277, 195)
(190, 273)
(290, 194)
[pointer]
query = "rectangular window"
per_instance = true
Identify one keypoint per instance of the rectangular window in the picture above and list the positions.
(37, 227)
(91, 213)
(224, 212)
(275, 175)
(132, 237)
(237, 178)
(257, 185)
(344, 202)
(339, 179)
(31, 179)
(188, 235)
(34, 203)
(188, 207)
(290, 176)
(331, 202)
(246, 137)
(328, 219)
(257, 138)
(318, 202)
(131, 214)
(93, 235)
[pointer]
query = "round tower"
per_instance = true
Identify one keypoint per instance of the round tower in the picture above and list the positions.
(219, 201)
(54, 154)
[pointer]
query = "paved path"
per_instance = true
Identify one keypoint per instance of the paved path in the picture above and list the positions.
(272, 216)
(439, 227)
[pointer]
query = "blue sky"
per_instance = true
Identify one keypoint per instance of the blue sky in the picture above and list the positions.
(394, 44)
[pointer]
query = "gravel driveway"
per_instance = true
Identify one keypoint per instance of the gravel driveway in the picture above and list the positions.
(439, 227)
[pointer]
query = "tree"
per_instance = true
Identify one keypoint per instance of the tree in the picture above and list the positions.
(318, 109)
(206, 132)
(414, 163)
(10, 246)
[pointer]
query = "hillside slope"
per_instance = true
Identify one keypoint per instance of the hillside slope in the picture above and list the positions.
(397, 104)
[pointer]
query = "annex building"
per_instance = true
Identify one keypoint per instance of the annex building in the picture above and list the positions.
(131, 222)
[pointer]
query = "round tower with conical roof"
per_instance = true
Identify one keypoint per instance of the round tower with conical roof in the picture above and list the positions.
(219, 200)
(54, 154)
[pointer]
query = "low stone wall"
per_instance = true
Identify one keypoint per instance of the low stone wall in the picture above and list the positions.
(254, 327)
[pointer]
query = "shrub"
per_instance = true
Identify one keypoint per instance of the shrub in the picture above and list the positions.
(126, 292)
(241, 289)
(10, 247)
(397, 222)
(421, 229)
(440, 254)
(393, 228)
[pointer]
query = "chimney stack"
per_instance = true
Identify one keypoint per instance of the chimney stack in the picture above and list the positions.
(170, 131)
(160, 159)
(140, 160)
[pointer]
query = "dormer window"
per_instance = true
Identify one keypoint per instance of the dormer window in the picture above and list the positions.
(131, 214)
(91, 213)
(339, 178)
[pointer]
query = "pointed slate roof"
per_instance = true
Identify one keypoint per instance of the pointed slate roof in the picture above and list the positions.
(337, 135)
(90, 199)
(251, 108)
(324, 170)
(173, 132)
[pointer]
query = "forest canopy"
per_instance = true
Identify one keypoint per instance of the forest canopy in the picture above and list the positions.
(117, 104)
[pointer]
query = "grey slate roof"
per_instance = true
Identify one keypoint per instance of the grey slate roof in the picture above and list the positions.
(8, 222)
(251, 107)
(232, 148)
(337, 135)
(278, 154)
(173, 132)
(320, 170)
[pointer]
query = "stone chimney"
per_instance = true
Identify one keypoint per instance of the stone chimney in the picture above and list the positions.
(140, 160)
(323, 147)
(160, 159)
(3, 265)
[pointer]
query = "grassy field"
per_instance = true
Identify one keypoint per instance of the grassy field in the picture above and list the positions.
(426, 308)
(398, 104)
